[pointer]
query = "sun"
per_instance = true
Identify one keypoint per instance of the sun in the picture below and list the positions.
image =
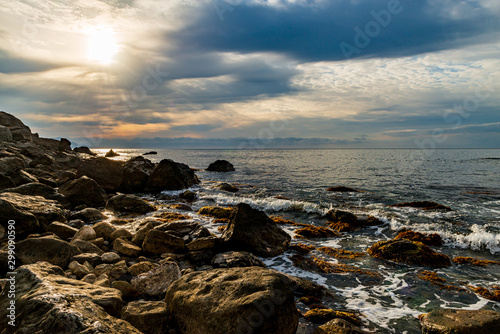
(102, 46)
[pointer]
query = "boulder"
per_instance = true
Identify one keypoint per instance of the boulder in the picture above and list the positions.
(84, 191)
(88, 215)
(127, 290)
(111, 154)
(45, 210)
(136, 172)
(50, 249)
(141, 267)
(430, 239)
(446, 321)
(235, 300)
(62, 230)
(205, 243)
(38, 189)
(128, 204)
(87, 246)
(220, 166)
(79, 270)
(252, 230)
(92, 258)
(343, 189)
(43, 159)
(112, 271)
(121, 233)
(126, 248)
(148, 316)
(155, 282)
(48, 302)
(19, 131)
(104, 230)
(26, 222)
(6, 182)
(22, 177)
(215, 211)
(410, 252)
(10, 165)
(85, 233)
(110, 257)
(338, 326)
(170, 175)
(139, 236)
(84, 150)
(107, 173)
(159, 242)
(227, 187)
(233, 259)
(5, 134)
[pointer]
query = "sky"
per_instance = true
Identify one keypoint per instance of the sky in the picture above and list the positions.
(254, 74)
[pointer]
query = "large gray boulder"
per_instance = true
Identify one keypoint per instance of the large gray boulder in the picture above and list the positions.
(252, 230)
(48, 302)
(170, 175)
(235, 300)
(452, 321)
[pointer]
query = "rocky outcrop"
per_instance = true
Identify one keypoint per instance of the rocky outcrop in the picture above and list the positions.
(148, 316)
(136, 172)
(111, 154)
(252, 230)
(19, 131)
(445, 321)
(227, 187)
(128, 204)
(84, 191)
(155, 282)
(107, 173)
(84, 150)
(25, 221)
(5, 134)
(220, 166)
(170, 175)
(48, 301)
(410, 252)
(39, 189)
(50, 249)
(235, 300)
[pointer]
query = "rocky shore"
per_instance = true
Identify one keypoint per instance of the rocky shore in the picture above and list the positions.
(99, 249)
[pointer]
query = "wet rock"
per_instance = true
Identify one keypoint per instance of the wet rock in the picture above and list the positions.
(252, 230)
(111, 154)
(221, 166)
(104, 230)
(170, 175)
(205, 243)
(188, 195)
(50, 249)
(424, 205)
(322, 315)
(26, 222)
(121, 233)
(149, 317)
(47, 300)
(343, 217)
(151, 153)
(84, 191)
(445, 321)
(429, 239)
(107, 173)
(88, 215)
(215, 211)
(84, 150)
(226, 301)
(110, 257)
(233, 259)
(343, 189)
(136, 172)
(315, 232)
(126, 248)
(410, 252)
(227, 187)
(129, 204)
(338, 326)
(20, 132)
(85, 233)
(62, 230)
(155, 282)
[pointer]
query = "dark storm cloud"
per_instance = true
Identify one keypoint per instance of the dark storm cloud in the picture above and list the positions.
(12, 65)
(316, 32)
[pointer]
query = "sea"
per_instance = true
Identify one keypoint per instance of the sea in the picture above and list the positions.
(292, 184)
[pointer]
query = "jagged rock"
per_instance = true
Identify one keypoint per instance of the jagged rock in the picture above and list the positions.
(10, 165)
(84, 191)
(126, 248)
(6, 182)
(111, 154)
(150, 317)
(19, 131)
(62, 230)
(170, 175)
(236, 259)
(136, 172)
(113, 271)
(155, 282)
(78, 269)
(221, 166)
(129, 203)
(50, 249)
(411, 252)
(45, 210)
(235, 300)
(159, 242)
(107, 173)
(22, 177)
(139, 236)
(252, 230)
(49, 302)
(88, 215)
(447, 321)
(84, 150)
(5, 134)
(43, 159)
(110, 257)
(26, 222)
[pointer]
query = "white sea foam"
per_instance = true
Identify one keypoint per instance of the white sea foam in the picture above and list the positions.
(478, 239)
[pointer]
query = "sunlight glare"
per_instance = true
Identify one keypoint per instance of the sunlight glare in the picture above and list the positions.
(102, 46)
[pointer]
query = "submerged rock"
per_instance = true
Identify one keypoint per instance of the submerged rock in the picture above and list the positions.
(314, 232)
(227, 187)
(129, 203)
(410, 252)
(49, 302)
(430, 239)
(215, 211)
(235, 300)
(424, 205)
(252, 230)
(446, 321)
(343, 189)
(170, 175)
(221, 166)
